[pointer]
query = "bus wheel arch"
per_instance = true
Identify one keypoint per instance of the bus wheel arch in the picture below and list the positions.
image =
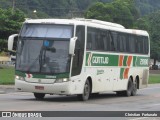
(86, 90)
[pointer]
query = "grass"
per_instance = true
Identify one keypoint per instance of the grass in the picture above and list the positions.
(7, 76)
(154, 78)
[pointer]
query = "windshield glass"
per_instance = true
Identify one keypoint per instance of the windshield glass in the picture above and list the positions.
(46, 52)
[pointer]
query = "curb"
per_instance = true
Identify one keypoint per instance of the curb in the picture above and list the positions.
(2, 92)
(6, 88)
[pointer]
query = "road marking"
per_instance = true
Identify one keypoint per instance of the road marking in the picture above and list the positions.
(141, 118)
(155, 104)
(2, 92)
(17, 93)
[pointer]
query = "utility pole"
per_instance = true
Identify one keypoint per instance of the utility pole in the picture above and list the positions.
(13, 5)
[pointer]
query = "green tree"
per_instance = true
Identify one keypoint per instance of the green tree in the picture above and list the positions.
(151, 23)
(142, 23)
(118, 11)
(10, 23)
(155, 35)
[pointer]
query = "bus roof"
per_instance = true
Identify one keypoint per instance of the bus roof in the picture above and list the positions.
(89, 22)
(73, 21)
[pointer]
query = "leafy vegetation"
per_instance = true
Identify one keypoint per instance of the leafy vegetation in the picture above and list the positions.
(119, 11)
(3, 46)
(49, 8)
(154, 29)
(10, 22)
(66, 8)
(147, 6)
(151, 23)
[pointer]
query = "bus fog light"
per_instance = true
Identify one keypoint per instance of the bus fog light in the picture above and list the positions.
(65, 79)
(62, 80)
(17, 77)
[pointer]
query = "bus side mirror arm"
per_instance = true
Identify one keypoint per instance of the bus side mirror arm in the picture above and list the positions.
(11, 41)
(72, 45)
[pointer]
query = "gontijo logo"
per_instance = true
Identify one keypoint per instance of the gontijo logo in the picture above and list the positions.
(97, 59)
(100, 60)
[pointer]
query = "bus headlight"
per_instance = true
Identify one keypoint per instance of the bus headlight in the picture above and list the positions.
(62, 80)
(19, 78)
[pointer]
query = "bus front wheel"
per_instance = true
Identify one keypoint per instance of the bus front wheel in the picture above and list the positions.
(39, 96)
(86, 92)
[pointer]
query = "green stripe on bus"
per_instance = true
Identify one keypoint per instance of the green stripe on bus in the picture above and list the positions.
(140, 61)
(134, 60)
(121, 73)
(125, 60)
(95, 59)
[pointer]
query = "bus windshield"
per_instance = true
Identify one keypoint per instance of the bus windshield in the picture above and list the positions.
(44, 49)
(47, 30)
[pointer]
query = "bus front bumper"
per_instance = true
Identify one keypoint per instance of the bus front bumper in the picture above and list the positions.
(64, 88)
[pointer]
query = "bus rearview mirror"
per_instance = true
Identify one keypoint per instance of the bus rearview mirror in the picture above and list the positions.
(11, 41)
(72, 45)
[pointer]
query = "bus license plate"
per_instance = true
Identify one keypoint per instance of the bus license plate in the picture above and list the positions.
(39, 87)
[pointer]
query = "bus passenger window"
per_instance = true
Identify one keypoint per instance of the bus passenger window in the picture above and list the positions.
(132, 44)
(114, 41)
(89, 42)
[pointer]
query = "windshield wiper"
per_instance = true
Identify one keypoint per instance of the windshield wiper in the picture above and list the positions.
(29, 68)
(37, 58)
(41, 58)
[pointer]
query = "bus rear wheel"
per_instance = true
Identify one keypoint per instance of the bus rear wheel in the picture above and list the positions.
(129, 90)
(86, 92)
(134, 90)
(39, 96)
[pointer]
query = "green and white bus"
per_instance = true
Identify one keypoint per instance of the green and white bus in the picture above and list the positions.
(80, 57)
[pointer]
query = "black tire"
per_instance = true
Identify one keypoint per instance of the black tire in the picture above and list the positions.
(134, 90)
(86, 92)
(129, 90)
(39, 96)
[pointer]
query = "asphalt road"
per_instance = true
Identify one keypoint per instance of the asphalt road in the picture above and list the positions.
(147, 99)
